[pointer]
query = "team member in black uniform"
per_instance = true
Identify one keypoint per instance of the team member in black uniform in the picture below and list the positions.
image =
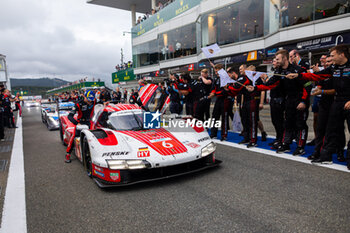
(250, 107)
(125, 96)
(105, 96)
(221, 106)
(186, 86)
(85, 110)
(208, 83)
(314, 108)
(296, 102)
(161, 92)
(2, 134)
(340, 109)
(277, 109)
(173, 92)
(8, 112)
(295, 59)
(18, 104)
(327, 92)
(239, 97)
(201, 91)
(133, 97)
(117, 96)
(304, 64)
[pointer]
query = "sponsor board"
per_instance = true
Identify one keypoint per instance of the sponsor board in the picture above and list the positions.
(193, 145)
(115, 176)
(143, 152)
(151, 120)
(99, 173)
(203, 139)
(115, 153)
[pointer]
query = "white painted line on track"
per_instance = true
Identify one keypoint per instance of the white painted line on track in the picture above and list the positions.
(282, 155)
(14, 217)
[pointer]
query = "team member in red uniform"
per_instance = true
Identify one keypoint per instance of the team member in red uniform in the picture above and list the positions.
(250, 107)
(85, 109)
(340, 109)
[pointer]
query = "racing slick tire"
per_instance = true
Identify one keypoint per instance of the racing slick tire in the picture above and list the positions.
(87, 157)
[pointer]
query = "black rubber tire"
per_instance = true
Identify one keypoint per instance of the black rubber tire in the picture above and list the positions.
(87, 158)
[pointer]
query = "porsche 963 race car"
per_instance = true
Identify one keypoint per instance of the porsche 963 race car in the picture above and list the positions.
(118, 150)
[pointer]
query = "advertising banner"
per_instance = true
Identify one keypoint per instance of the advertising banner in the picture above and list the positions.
(123, 76)
(174, 9)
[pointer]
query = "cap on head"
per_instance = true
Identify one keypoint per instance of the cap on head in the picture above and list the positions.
(90, 95)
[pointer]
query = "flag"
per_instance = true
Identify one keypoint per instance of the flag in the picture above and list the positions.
(224, 78)
(211, 50)
(253, 75)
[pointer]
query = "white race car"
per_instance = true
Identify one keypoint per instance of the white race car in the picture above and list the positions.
(117, 150)
(49, 115)
(31, 103)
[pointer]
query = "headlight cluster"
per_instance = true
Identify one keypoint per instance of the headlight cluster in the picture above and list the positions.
(207, 150)
(127, 164)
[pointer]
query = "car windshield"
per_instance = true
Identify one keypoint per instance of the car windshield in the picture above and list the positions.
(130, 121)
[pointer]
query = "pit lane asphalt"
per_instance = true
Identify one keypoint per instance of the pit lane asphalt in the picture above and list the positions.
(250, 192)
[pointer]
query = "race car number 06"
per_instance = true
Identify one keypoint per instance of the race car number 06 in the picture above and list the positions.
(167, 145)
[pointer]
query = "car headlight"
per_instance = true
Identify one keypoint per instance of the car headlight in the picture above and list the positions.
(121, 164)
(207, 150)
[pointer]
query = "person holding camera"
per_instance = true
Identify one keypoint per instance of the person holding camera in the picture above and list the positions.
(174, 94)
(201, 103)
(186, 88)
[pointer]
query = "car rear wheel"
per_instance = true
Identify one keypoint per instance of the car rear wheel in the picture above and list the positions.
(87, 157)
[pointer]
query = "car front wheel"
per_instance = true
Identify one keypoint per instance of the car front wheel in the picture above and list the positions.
(87, 157)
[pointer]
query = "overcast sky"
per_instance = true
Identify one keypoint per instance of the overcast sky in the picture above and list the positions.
(66, 39)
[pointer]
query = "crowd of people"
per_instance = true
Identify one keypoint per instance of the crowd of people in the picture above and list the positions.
(102, 95)
(158, 7)
(292, 84)
(124, 66)
(7, 118)
(85, 102)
